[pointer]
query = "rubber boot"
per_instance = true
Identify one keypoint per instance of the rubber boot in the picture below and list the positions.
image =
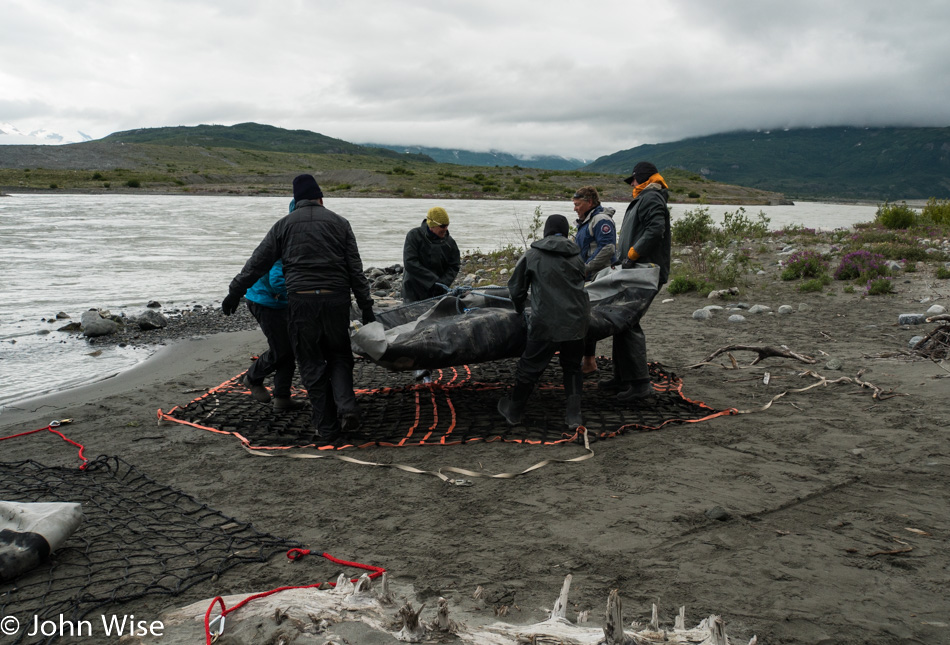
(287, 404)
(512, 407)
(639, 390)
(573, 385)
(259, 392)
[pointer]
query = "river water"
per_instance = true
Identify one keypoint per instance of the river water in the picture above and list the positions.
(75, 252)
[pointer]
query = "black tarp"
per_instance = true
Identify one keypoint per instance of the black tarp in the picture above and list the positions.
(475, 326)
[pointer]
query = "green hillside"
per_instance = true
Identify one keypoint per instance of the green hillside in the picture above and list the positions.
(856, 163)
(253, 159)
(253, 136)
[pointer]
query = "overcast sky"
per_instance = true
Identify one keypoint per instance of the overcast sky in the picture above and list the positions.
(578, 79)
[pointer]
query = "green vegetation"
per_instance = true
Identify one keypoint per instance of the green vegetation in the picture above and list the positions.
(837, 162)
(697, 227)
(703, 266)
(684, 284)
(694, 227)
(879, 286)
(812, 285)
(895, 216)
(709, 257)
(936, 212)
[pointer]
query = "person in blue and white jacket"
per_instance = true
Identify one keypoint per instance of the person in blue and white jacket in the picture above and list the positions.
(597, 238)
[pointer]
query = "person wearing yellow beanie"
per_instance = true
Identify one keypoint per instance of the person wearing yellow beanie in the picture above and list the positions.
(438, 219)
(430, 258)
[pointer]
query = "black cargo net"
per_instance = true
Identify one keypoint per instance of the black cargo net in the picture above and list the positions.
(138, 538)
(457, 406)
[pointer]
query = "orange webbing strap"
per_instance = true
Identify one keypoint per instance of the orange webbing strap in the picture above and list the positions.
(306, 453)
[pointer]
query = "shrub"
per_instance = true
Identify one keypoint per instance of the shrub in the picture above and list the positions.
(861, 264)
(54, 186)
(685, 284)
(849, 288)
(739, 225)
(96, 176)
(894, 216)
(937, 212)
(902, 251)
(812, 285)
(876, 236)
(879, 286)
(805, 264)
(695, 227)
(693, 194)
(943, 273)
(133, 183)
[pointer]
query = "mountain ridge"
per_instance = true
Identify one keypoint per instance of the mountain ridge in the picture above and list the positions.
(842, 162)
(463, 157)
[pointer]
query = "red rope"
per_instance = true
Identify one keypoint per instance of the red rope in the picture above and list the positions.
(50, 427)
(293, 554)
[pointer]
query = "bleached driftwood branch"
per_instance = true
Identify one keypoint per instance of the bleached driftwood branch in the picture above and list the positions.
(764, 351)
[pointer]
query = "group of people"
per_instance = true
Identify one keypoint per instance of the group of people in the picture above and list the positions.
(551, 275)
(299, 279)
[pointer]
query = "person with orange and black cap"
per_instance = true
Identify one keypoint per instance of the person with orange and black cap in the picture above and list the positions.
(430, 258)
(550, 277)
(322, 265)
(644, 239)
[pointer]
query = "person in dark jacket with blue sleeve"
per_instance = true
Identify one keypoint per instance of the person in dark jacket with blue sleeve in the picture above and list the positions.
(267, 302)
(322, 265)
(550, 276)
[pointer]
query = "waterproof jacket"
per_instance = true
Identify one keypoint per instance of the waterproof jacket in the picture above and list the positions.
(597, 239)
(428, 259)
(318, 250)
(270, 290)
(646, 227)
(552, 272)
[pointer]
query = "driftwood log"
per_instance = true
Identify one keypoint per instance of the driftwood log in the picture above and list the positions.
(355, 613)
(763, 351)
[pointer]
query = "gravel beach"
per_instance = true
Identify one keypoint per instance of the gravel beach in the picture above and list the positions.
(820, 518)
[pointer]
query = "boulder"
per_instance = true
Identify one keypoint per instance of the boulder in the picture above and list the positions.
(94, 325)
(151, 320)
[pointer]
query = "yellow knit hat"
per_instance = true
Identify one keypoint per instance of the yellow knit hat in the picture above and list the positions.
(437, 217)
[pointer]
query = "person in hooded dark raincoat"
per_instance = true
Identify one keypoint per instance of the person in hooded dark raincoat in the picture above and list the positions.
(550, 276)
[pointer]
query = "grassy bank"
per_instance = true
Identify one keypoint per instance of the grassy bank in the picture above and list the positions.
(151, 169)
(747, 256)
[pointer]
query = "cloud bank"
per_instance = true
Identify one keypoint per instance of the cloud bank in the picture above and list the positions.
(520, 76)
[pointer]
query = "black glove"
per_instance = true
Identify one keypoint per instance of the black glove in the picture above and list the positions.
(230, 304)
(368, 316)
(627, 264)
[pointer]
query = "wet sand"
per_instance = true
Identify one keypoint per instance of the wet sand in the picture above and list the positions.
(822, 519)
